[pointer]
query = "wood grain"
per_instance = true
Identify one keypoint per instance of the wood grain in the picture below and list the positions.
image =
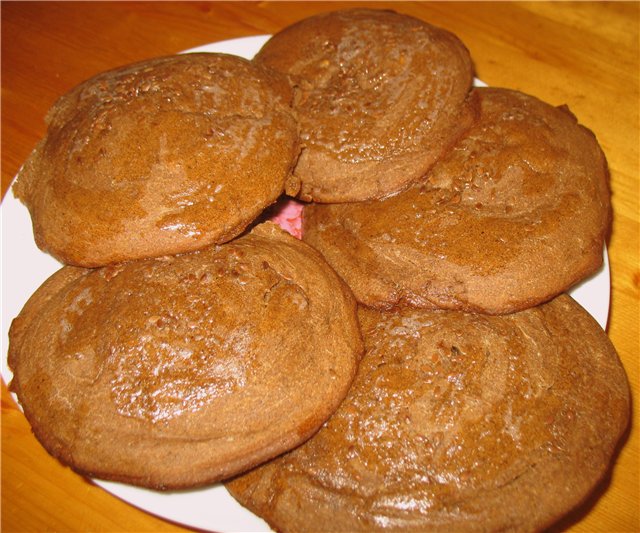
(581, 54)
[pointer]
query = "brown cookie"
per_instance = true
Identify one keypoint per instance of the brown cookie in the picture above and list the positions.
(456, 422)
(183, 370)
(515, 214)
(381, 97)
(160, 157)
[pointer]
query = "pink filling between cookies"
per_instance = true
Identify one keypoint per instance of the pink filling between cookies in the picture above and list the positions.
(287, 213)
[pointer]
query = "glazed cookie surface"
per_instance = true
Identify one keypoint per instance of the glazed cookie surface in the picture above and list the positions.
(159, 157)
(515, 214)
(456, 422)
(380, 97)
(184, 370)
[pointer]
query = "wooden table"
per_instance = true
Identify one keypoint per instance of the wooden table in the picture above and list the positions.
(581, 54)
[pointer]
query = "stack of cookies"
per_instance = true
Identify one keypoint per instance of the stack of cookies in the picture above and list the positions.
(413, 363)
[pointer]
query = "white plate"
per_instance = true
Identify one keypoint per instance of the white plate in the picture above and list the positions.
(25, 267)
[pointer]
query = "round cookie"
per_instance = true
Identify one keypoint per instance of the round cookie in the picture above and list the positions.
(159, 157)
(183, 370)
(380, 97)
(515, 214)
(456, 422)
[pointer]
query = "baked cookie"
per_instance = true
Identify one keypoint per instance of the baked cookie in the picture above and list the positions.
(380, 97)
(179, 371)
(515, 214)
(456, 422)
(160, 157)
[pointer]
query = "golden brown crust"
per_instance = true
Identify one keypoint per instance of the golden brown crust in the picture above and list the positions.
(179, 371)
(456, 422)
(163, 156)
(515, 214)
(381, 97)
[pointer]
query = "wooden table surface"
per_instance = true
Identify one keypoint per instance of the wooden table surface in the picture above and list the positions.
(581, 54)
